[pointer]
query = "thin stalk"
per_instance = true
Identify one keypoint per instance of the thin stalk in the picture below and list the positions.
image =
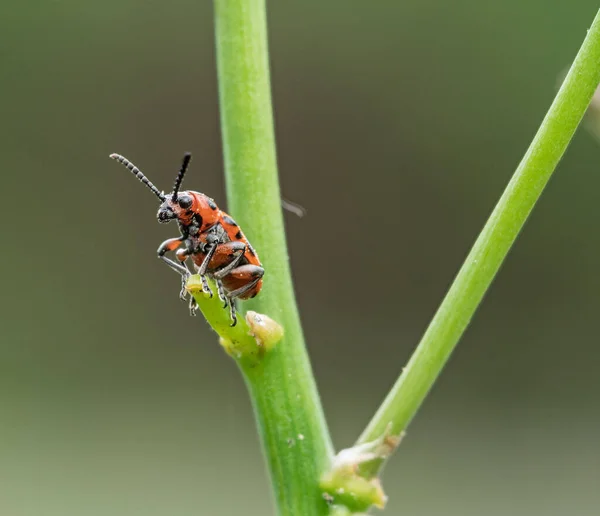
(492, 246)
(291, 423)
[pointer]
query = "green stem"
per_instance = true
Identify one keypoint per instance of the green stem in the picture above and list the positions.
(492, 246)
(286, 403)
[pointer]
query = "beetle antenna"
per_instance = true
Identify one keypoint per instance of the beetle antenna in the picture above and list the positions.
(179, 179)
(138, 173)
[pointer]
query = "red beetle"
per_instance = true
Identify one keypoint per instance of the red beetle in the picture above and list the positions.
(212, 239)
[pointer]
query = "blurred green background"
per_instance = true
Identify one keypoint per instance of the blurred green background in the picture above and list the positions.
(401, 122)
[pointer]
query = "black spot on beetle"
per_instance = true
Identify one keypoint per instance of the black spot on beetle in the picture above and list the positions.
(212, 204)
(239, 235)
(229, 220)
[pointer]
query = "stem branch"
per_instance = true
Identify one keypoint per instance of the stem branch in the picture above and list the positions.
(492, 246)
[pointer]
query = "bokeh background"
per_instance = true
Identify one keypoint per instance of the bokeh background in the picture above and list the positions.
(113, 401)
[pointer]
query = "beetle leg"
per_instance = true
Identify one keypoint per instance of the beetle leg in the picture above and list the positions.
(182, 255)
(226, 257)
(183, 293)
(246, 278)
(193, 306)
(183, 270)
(204, 267)
(171, 245)
(221, 293)
(242, 290)
(242, 280)
(177, 267)
(232, 312)
(221, 273)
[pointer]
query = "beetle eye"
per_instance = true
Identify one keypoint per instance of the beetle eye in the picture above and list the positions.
(185, 201)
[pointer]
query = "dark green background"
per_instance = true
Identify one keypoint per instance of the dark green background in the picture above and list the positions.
(398, 125)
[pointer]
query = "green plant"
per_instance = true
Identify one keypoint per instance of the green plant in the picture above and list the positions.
(308, 479)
